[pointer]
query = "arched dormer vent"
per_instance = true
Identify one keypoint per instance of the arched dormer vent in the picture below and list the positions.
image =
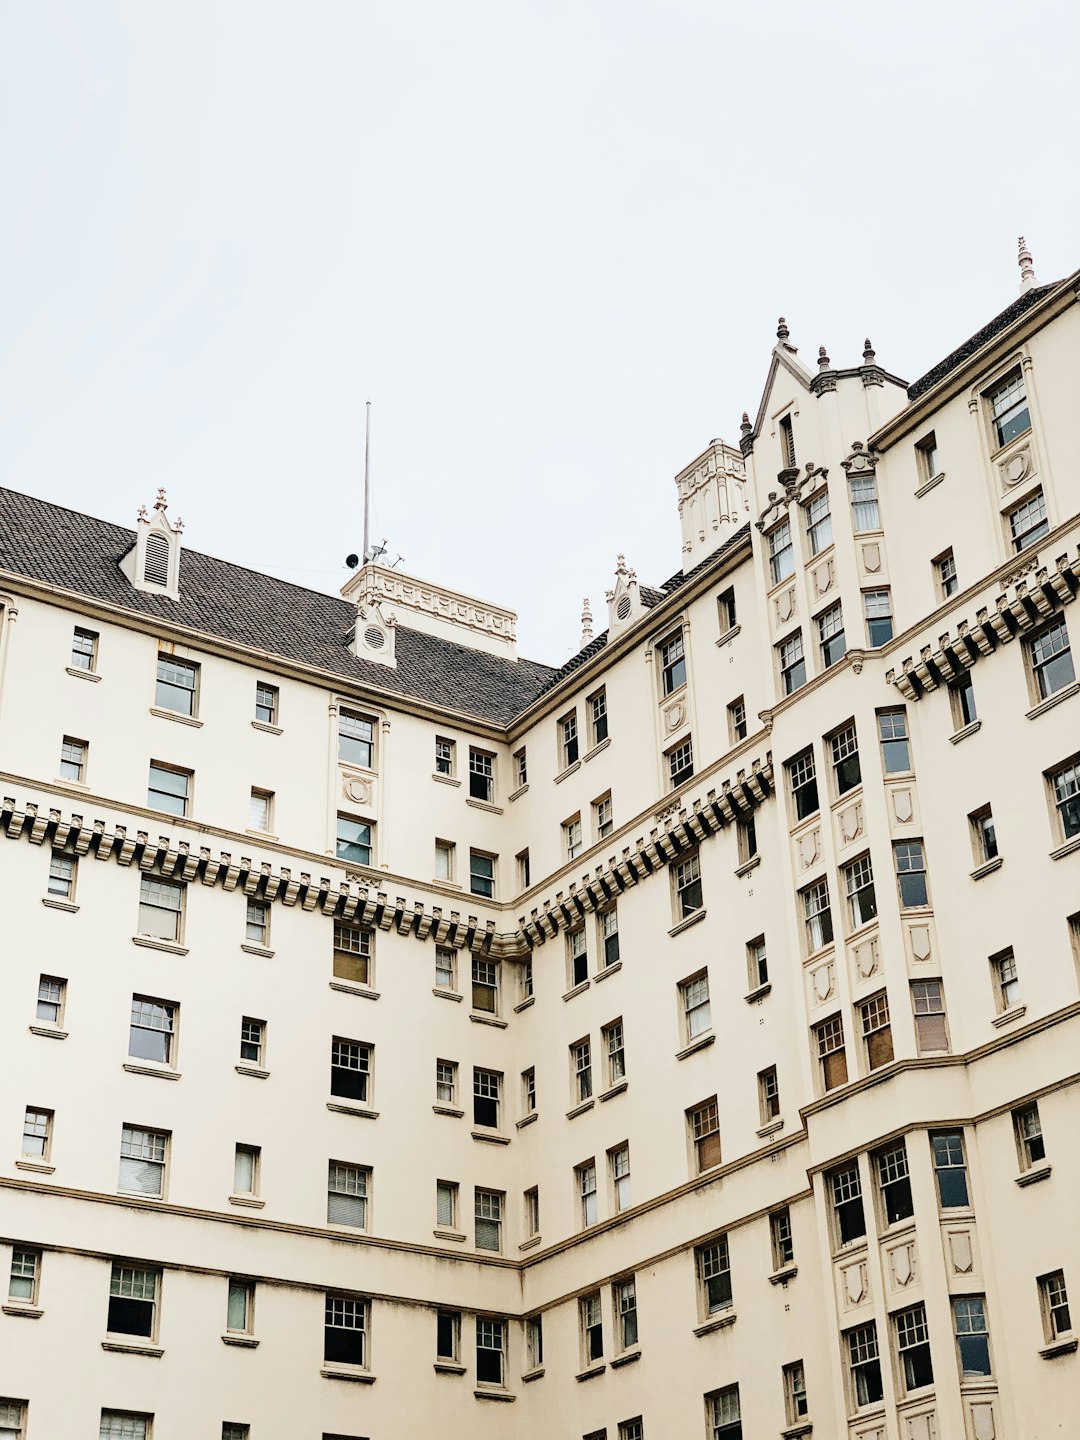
(153, 562)
(375, 630)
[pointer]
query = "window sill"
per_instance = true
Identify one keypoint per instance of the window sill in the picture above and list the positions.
(1008, 1017)
(685, 924)
(159, 1072)
(39, 1167)
(65, 905)
(487, 1020)
(1067, 849)
(450, 1110)
(490, 1139)
(528, 1120)
(773, 1128)
(494, 1394)
(627, 1359)
(576, 990)
(1059, 1347)
(608, 970)
(590, 1374)
(242, 1342)
(253, 1071)
(759, 994)
(530, 1244)
(922, 490)
(173, 715)
(581, 1109)
(247, 1202)
(795, 1432)
(454, 1235)
(748, 865)
(82, 674)
(152, 942)
(729, 635)
(781, 1277)
(524, 1004)
(267, 729)
(448, 1367)
(25, 1312)
(563, 774)
(445, 779)
(343, 1372)
(987, 867)
(532, 1375)
(483, 805)
(600, 745)
(125, 1347)
(614, 1090)
(1048, 704)
(444, 994)
(50, 1031)
(1034, 1175)
(959, 735)
(260, 950)
(718, 1322)
(517, 794)
(701, 1043)
(361, 990)
(356, 1110)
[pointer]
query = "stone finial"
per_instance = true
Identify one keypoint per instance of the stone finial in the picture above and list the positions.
(586, 621)
(782, 331)
(868, 353)
(1027, 268)
(144, 514)
(745, 426)
(822, 358)
(161, 503)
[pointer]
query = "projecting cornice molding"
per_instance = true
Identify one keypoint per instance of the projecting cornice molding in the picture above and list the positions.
(1023, 606)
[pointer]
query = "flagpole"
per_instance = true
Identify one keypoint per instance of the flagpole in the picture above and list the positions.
(367, 483)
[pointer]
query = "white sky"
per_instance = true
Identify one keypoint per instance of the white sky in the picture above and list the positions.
(549, 240)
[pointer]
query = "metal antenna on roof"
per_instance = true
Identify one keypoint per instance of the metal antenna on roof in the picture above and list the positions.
(367, 480)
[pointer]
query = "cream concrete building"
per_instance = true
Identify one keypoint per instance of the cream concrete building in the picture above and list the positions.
(403, 1038)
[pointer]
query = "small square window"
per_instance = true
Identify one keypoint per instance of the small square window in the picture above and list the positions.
(84, 645)
(123, 1425)
(354, 840)
(1031, 1147)
(177, 686)
(133, 1300)
(169, 789)
(73, 759)
(266, 703)
(736, 713)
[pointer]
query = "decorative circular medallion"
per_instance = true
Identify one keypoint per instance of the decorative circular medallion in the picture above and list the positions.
(356, 788)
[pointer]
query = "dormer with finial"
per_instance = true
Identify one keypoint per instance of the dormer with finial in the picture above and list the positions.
(624, 600)
(153, 562)
(374, 634)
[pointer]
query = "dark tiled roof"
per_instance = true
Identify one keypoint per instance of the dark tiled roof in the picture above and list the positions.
(977, 341)
(78, 553)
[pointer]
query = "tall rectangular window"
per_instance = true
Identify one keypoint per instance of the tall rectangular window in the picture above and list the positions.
(246, 1160)
(704, 1123)
(1006, 980)
(572, 838)
(725, 1414)
(829, 1036)
(488, 1219)
(928, 1003)
(792, 663)
(819, 522)
(445, 967)
(983, 835)
(624, 1304)
(1055, 1301)
(356, 739)
(725, 605)
(446, 1082)
(347, 1195)
(895, 749)
(1029, 1136)
(133, 1295)
(160, 908)
(714, 1276)
(528, 1090)
(926, 450)
(831, 635)
(768, 1095)
(568, 740)
(176, 685)
(448, 1334)
(352, 953)
(877, 607)
(736, 712)
(122, 1425)
(680, 763)
(614, 1051)
(876, 1030)
(84, 650)
(252, 1041)
(532, 1210)
(757, 963)
(596, 707)
(845, 1192)
(521, 767)
(51, 995)
(1064, 785)
(142, 1161)
(257, 922)
(168, 789)
(696, 1009)
(261, 810)
(894, 1183)
(577, 956)
(485, 986)
(73, 759)
(481, 775)
(603, 817)
(609, 936)
(783, 1242)
(802, 781)
(781, 552)
(592, 1328)
(444, 756)
(864, 1365)
(950, 1171)
(585, 1176)
(859, 887)
(345, 1331)
(786, 428)
(446, 1204)
(266, 703)
(913, 1348)
(672, 656)
(687, 877)
(619, 1163)
(350, 1070)
(1009, 414)
(490, 1351)
(945, 570)
(482, 874)
(817, 915)
(1051, 659)
(846, 766)
(1028, 523)
(864, 503)
(795, 1401)
(37, 1132)
(62, 876)
(23, 1283)
(910, 861)
(487, 1098)
(972, 1336)
(153, 1030)
(581, 1065)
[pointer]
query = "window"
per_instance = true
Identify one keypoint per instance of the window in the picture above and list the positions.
(444, 756)
(1051, 660)
(133, 1297)
(846, 766)
(672, 663)
(596, 708)
(235, 1432)
(577, 957)
(615, 1051)
(142, 1161)
(352, 953)
(687, 875)
(586, 1186)
(485, 986)
(350, 1069)
(266, 703)
(817, 915)
(714, 1276)
(490, 1350)
(521, 767)
(895, 750)
(528, 1090)
(864, 1365)
(757, 963)
(152, 1032)
(252, 1040)
(781, 552)
(445, 967)
(876, 1030)
(725, 1413)
(592, 1328)
(568, 740)
(795, 1402)
(581, 1066)
(802, 780)
(819, 522)
(161, 908)
(572, 842)
(926, 451)
(829, 1036)
(950, 1172)
(877, 607)
(792, 663)
(1029, 1136)
(632, 1429)
(524, 870)
(1065, 789)
(62, 876)
(783, 1243)
(894, 1183)
(768, 1095)
(261, 810)
(609, 936)
(704, 1122)
(482, 874)
(972, 1337)
(488, 1218)
(444, 860)
(911, 873)
(830, 625)
(353, 840)
(913, 1348)
(23, 1283)
(481, 775)
(849, 1222)
(448, 1334)
(746, 837)
(345, 1331)
(787, 441)
(1055, 1301)
(446, 1204)
(446, 1072)
(603, 819)
(246, 1170)
(1006, 982)
(356, 739)
(1028, 523)
(169, 789)
(928, 1002)
(725, 605)
(534, 1341)
(120, 1425)
(176, 688)
(859, 886)
(532, 1211)
(1008, 408)
(945, 569)
(983, 835)
(736, 713)
(84, 650)
(51, 995)
(257, 922)
(487, 1094)
(347, 1195)
(624, 1304)
(864, 503)
(73, 759)
(697, 1012)
(619, 1162)
(681, 763)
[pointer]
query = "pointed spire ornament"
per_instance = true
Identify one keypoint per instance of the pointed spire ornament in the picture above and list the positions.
(586, 621)
(868, 353)
(822, 358)
(782, 331)
(1027, 267)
